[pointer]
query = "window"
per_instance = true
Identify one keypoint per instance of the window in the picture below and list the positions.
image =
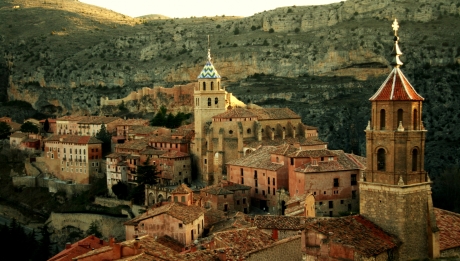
(256, 183)
(353, 194)
(180, 225)
(331, 204)
(273, 179)
(414, 159)
(244, 200)
(292, 161)
(256, 191)
(341, 201)
(381, 160)
(336, 182)
(225, 196)
(209, 101)
(216, 100)
(230, 132)
(268, 180)
(248, 131)
(242, 180)
(400, 116)
(255, 174)
(237, 202)
(182, 199)
(274, 191)
(212, 86)
(353, 179)
(415, 119)
(205, 161)
(241, 171)
(382, 119)
(204, 86)
(263, 192)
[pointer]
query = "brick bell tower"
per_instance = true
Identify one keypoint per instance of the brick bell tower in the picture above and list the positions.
(209, 100)
(395, 192)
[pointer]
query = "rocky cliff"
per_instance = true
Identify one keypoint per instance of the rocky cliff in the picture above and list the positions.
(324, 62)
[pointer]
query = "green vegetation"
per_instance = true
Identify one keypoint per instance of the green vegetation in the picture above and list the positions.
(106, 137)
(5, 130)
(146, 175)
(29, 127)
(168, 120)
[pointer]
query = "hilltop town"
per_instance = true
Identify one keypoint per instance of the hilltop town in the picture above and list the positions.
(237, 181)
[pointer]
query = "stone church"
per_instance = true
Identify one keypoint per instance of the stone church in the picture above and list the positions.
(227, 129)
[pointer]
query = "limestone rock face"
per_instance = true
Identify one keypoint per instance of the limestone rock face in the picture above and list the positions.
(97, 53)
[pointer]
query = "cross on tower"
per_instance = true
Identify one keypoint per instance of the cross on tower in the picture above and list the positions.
(209, 50)
(395, 26)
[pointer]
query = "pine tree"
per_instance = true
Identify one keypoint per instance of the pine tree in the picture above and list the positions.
(106, 138)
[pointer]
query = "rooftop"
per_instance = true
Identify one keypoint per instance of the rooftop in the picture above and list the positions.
(244, 239)
(260, 158)
(449, 228)
(279, 222)
(75, 139)
(357, 232)
(79, 248)
(179, 211)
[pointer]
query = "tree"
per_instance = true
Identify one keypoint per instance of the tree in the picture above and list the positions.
(29, 127)
(160, 118)
(94, 230)
(236, 31)
(106, 138)
(120, 190)
(5, 129)
(43, 252)
(146, 174)
(271, 30)
(46, 125)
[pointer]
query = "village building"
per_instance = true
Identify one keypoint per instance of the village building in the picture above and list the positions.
(280, 227)
(68, 124)
(72, 157)
(17, 138)
(226, 196)
(181, 222)
(141, 132)
(123, 127)
(92, 125)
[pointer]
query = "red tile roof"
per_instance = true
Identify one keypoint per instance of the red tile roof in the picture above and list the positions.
(355, 231)
(75, 139)
(244, 240)
(79, 248)
(260, 158)
(449, 228)
(396, 88)
(279, 222)
(179, 211)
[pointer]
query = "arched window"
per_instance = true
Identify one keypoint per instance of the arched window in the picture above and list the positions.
(209, 101)
(400, 117)
(204, 86)
(230, 132)
(415, 119)
(414, 159)
(212, 86)
(381, 157)
(382, 119)
(249, 131)
(216, 100)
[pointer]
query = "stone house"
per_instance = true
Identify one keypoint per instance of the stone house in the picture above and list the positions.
(123, 127)
(116, 169)
(226, 196)
(72, 157)
(17, 138)
(93, 124)
(183, 194)
(136, 132)
(68, 124)
(264, 173)
(181, 222)
(330, 175)
(347, 238)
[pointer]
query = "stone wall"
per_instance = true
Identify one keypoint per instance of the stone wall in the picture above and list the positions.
(286, 249)
(453, 252)
(24, 181)
(109, 226)
(401, 211)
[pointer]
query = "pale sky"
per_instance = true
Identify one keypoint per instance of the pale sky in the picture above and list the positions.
(187, 8)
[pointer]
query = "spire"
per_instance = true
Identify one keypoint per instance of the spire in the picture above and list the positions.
(396, 86)
(209, 72)
(396, 51)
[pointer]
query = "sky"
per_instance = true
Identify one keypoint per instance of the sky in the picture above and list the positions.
(188, 8)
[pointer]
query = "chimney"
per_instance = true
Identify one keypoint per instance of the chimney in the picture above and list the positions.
(111, 241)
(68, 245)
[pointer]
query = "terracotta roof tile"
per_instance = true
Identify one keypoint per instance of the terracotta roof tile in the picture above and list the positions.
(260, 158)
(396, 88)
(355, 231)
(236, 113)
(79, 248)
(279, 222)
(245, 239)
(182, 212)
(343, 162)
(449, 228)
(174, 154)
(74, 139)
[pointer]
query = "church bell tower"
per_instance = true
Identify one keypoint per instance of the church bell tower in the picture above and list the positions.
(395, 192)
(209, 100)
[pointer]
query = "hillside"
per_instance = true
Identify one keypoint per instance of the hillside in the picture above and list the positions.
(324, 62)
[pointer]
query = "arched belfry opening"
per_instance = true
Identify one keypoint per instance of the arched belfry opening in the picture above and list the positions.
(382, 119)
(415, 119)
(415, 159)
(400, 117)
(381, 159)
